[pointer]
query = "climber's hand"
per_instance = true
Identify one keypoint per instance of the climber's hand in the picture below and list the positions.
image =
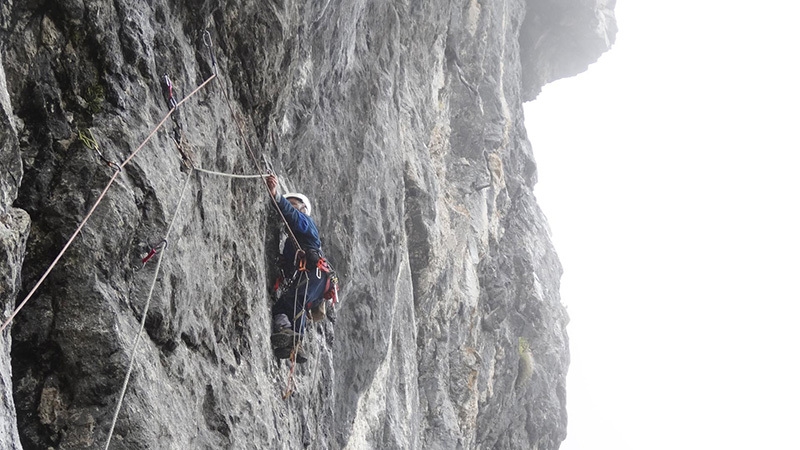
(272, 183)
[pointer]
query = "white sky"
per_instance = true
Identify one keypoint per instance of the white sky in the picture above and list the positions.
(670, 174)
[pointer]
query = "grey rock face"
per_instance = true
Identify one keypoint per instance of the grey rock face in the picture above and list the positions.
(14, 227)
(401, 121)
(559, 39)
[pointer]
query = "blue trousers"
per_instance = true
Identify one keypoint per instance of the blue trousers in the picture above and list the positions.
(304, 293)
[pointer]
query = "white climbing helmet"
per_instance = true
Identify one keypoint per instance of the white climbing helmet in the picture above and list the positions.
(300, 197)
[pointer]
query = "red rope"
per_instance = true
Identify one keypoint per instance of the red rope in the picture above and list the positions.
(97, 202)
(60, 254)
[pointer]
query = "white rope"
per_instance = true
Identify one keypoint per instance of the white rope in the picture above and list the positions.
(295, 345)
(229, 175)
(144, 314)
(318, 350)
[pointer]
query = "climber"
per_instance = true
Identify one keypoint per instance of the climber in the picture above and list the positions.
(308, 276)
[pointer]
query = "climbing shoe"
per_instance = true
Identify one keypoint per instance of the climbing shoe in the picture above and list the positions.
(286, 353)
(282, 352)
(299, 355)
(283, 340)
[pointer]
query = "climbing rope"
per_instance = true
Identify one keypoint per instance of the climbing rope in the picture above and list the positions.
(293, 355)
(118, 169)
(171, 111)
(229, 175)
(61, 253)
(209, 44)
(144, 312)
(317, 351)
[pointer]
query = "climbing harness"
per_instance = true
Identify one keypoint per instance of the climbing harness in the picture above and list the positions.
(303, 262)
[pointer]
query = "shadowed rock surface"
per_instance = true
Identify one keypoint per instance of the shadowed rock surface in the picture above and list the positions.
(402, 121)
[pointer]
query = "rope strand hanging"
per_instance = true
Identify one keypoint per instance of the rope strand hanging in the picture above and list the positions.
(295, 346)
(175, 106)
(144, 312)
(229, 175)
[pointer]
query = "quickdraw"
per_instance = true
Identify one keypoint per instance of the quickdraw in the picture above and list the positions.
(208, 43)
(168, 93)
(301, 262)
(154, 249)
(332, 289)
(90, 142)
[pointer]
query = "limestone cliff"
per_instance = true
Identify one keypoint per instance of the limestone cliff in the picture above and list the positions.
(403, 123)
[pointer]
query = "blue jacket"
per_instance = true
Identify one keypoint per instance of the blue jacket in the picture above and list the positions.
(304, 229)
